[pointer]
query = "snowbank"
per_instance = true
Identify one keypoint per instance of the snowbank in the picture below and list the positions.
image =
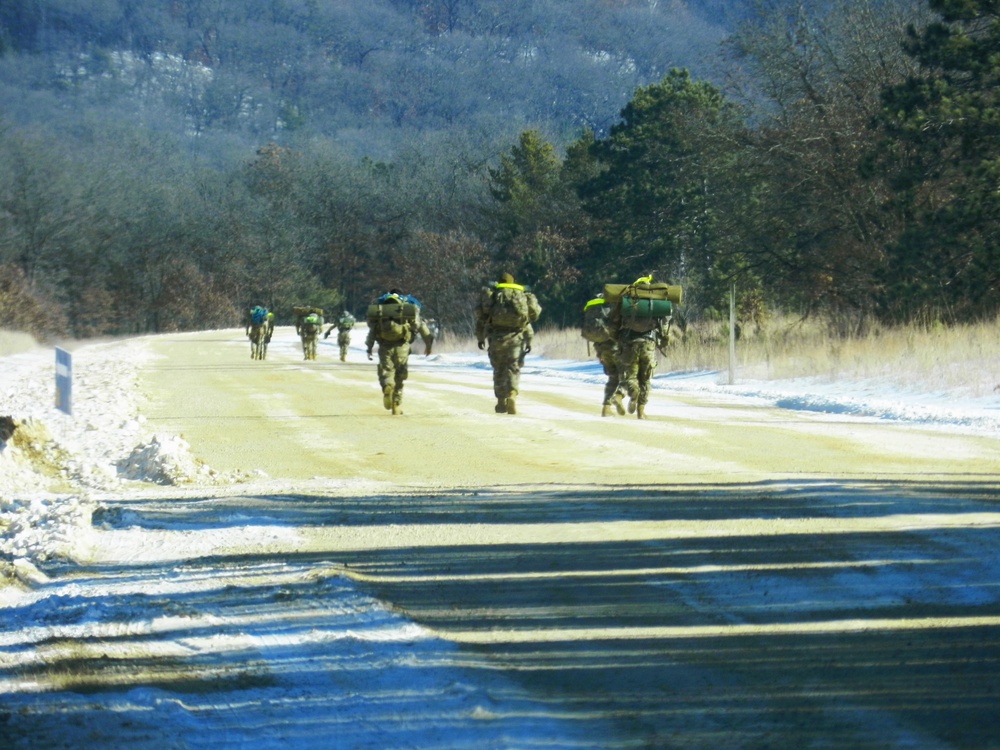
(51, 463)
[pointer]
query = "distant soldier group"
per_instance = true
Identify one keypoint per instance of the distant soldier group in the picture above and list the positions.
(627, 323)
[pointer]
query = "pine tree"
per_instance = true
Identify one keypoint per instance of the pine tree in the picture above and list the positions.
(943, 151)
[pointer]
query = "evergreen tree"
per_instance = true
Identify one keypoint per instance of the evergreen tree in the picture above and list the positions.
(540, 229)
(943, 151)
(653, 200)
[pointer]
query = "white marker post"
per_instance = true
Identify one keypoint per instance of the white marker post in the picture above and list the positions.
(64, 380)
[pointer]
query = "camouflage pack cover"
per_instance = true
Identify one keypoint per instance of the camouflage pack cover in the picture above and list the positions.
(392, 321)
(509, 308)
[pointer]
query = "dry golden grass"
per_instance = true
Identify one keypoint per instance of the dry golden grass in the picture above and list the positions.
(15, 342)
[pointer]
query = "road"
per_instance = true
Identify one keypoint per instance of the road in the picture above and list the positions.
(717, 576)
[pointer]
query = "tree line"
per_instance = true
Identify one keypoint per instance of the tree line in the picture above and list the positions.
(845, 165)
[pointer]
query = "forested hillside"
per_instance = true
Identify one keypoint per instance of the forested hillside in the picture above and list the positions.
(164, 164)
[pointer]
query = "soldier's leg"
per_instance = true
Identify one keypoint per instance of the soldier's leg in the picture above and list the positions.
(507, 373)
(386, 374)
(629, 375)
(647, 364)
(498, 362)
(402, 358)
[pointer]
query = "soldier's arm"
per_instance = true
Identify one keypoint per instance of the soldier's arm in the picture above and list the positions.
(534, 309)
(481, 327)
(427, 336)
(370, 341)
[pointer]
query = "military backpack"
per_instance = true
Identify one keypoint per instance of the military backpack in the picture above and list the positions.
(509, 308)
(595, 321)
(392, 321)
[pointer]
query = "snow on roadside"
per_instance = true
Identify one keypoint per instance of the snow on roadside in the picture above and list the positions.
(53, 462)
(875, 399)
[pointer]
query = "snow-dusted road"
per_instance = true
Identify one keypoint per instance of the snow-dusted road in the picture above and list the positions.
(303, 569)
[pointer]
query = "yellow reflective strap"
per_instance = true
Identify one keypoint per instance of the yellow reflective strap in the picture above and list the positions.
(501, 285)
(593, 302)
(644, 280)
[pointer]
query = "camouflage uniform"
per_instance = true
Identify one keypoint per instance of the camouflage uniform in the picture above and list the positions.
(393, 360)
(609, 355)
(259, 334)
(309, 332)
(599, 330)
(507, 347)
(638, 361)
(344, 325)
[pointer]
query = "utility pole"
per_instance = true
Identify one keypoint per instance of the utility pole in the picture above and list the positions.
(732, 334)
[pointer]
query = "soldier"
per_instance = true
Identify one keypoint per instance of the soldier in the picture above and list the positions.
(308, 324)
(504, 317)
(270, 327)
(434, 327)
(394, 331)
(597, 329)
(638, 339)
(344, 325)
(259, 328)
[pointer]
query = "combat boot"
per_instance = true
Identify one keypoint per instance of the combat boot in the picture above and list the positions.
(631, 405)
(501, 407)
(387, 396)
(511, 406)
(616, 401)
(642, 411)
(397, 403)
(397, 409)
(606, 410)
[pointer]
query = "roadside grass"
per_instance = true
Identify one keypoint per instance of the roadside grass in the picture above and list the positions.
(15, 342)
(960, 359)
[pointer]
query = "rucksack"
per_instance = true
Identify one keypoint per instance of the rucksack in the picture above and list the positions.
(258, 315)
(392, 321)
(312, 323)
(509, 308)
(595, 321)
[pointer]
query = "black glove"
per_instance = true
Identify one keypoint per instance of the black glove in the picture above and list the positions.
(326, 335)
(369, 354)
(482, 344)
(527, 348)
